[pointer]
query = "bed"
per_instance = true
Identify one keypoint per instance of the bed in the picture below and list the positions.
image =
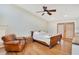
(46, 39)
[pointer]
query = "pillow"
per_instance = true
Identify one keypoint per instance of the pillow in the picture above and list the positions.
(35, 34)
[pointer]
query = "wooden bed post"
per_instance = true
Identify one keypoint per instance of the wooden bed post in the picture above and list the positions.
(32, 35)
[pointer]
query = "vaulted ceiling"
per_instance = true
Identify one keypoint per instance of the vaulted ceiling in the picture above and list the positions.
(63, 11)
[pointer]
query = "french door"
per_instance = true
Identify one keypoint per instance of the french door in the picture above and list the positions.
(66, 29)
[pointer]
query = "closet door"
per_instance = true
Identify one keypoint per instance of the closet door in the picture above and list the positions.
(60, 28)
(69, 30)
(66, 29)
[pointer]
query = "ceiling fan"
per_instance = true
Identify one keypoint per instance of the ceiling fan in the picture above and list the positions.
(47, 11)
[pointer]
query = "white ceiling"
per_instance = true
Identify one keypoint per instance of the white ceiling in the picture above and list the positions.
(63, 11)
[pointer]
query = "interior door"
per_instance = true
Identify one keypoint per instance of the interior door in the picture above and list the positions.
(60, 28)
(69, 30)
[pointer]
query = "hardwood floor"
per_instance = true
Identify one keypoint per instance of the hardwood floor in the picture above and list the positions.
(34, 48)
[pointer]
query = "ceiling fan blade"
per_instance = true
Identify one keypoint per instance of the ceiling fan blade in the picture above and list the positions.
(43, 14)
(49, 13)
(39, 11)
(53, 10)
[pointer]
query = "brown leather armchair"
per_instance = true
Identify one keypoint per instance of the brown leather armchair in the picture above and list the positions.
(12, 43)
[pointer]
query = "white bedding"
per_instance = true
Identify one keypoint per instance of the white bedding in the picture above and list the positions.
(42, 37)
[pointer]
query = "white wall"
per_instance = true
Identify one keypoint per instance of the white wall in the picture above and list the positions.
(19, 21)
(2, 32)
(77, 25)
(52, 26)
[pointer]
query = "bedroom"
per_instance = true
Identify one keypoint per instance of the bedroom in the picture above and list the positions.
(22, 19)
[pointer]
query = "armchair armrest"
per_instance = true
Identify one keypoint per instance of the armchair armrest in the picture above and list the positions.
(20, 38)
(12, 42)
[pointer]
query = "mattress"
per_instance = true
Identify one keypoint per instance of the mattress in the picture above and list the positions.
(42, 37)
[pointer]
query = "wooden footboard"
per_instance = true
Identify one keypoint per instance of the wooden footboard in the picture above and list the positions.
(54, 40)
